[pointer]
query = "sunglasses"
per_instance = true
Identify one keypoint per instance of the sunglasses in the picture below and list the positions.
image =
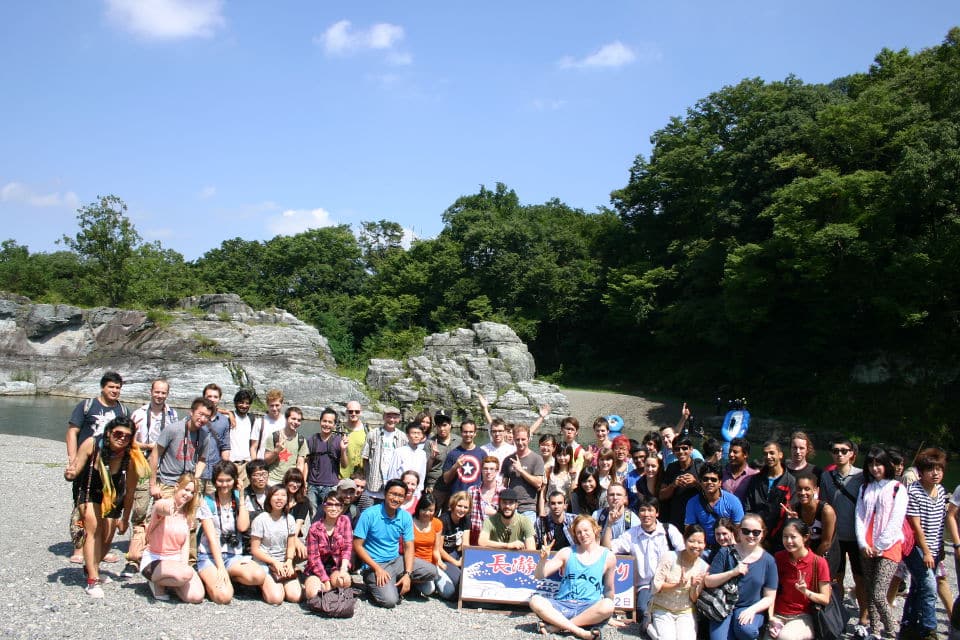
(683, 447)
(121, 435)
(710, 480)
(352, 411)
(756, 533)
(840, 451)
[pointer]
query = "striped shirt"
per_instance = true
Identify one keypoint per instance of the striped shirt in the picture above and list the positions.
(932, 512)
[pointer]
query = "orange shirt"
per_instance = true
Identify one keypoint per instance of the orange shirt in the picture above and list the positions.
(425, 541)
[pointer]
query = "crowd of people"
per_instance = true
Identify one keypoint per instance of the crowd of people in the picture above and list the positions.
(222, 497)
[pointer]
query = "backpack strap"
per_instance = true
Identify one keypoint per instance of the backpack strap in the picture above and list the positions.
(834, 476)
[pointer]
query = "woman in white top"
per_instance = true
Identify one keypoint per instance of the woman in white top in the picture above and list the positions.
(881, 509)
(273, 545)
(676, 586)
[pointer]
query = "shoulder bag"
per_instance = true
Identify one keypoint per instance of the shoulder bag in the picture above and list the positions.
(338, 602)
(829, 620)
(717, 603)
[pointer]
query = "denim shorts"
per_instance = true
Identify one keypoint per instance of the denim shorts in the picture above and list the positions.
(570, 609)
(205, 560)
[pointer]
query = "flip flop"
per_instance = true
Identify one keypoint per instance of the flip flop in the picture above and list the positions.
(76, 559)
(111, 557)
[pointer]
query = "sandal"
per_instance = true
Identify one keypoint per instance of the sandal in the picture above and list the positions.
(111, 557)
(76, 559)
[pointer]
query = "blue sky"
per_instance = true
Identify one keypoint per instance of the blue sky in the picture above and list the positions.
(214, 119)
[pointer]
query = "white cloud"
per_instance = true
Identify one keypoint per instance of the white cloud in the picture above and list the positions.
(294, 221)
(341, 39)
(208, 192)
(167, 19)
(548, 104)
(20, 193)
(613, 55)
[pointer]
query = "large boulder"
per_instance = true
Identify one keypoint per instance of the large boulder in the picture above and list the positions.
(456, 366)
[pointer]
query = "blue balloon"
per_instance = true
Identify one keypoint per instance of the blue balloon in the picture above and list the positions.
(616, 423)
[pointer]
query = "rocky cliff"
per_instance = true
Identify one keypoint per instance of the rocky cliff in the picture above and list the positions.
(63, 350)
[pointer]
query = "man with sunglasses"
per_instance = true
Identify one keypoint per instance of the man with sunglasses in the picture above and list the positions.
(840, 487)
(679, 482)
(356, 437)
(712, 503)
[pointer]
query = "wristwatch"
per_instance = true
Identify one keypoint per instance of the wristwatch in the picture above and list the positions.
(405, 573)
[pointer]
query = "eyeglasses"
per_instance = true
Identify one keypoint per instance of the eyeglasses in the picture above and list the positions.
(121, 435)
(260, 474)
(756, 533)
(839, 451)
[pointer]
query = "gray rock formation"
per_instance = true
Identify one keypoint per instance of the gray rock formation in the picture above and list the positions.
(455, 366)
(63, 350)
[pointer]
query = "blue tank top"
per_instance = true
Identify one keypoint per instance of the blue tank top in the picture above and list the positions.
(582, 582)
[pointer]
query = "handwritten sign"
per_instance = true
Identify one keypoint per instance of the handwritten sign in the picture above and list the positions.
(507, 577)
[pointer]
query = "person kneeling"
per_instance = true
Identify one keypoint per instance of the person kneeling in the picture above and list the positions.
(585, 597)
(388, 574)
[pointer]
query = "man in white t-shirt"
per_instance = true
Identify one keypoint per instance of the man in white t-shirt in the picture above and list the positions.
(498, 447)
(241, 425)
(273, 420)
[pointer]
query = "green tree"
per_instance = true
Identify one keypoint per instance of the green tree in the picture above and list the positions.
(378, 240)
(106, 243)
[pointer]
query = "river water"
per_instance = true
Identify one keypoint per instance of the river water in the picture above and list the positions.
(39, 416)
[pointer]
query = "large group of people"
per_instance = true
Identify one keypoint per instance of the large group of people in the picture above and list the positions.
(241, 499)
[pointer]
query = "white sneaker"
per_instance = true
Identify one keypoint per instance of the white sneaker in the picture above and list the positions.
(94, 590)
(163, 596)
(860, 632)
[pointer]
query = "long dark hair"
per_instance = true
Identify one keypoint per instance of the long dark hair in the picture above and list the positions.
(297, 476)
(588, 502)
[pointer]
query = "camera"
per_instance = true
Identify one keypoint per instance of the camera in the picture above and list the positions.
(229, 540)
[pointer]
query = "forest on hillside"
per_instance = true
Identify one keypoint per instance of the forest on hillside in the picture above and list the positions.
(795, 243)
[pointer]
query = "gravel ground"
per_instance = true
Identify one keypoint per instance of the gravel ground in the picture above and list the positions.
(41, 593)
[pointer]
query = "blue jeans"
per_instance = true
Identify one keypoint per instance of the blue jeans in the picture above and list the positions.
(920, 607)
(731, 629)
(316, 494)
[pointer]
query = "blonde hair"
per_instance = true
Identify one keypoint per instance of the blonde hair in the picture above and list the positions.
(273, 395)
(189, 509)
(585, 518)
(458, 497)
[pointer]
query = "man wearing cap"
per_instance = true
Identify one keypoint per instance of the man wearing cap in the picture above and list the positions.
(443, 441)
(506, 529)
(378, 451)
